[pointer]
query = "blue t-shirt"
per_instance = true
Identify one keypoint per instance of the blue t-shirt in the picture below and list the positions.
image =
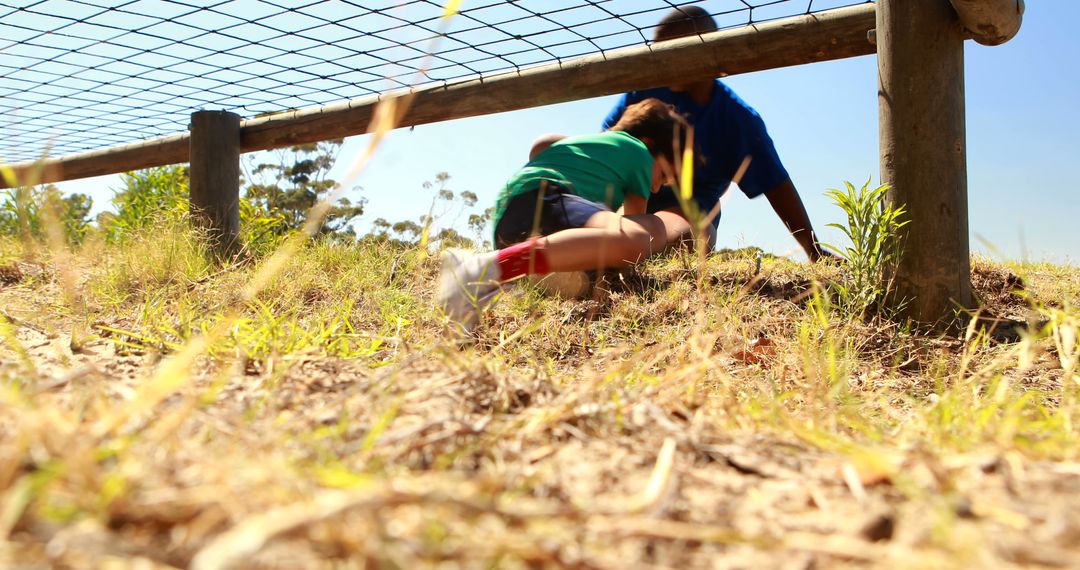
(726, 130)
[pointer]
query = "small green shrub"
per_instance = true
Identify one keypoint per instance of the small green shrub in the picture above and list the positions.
(160, 195)
(261, 229)
(148, 197)
(25, 212)
(873, 227)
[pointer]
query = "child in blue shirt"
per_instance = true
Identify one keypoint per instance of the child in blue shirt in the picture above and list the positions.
(727, 131)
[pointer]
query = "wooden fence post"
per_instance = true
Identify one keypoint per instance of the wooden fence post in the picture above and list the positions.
(215, 177)
(923, 151)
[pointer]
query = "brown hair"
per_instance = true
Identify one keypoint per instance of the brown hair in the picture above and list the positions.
(657, 125)
(684, 21)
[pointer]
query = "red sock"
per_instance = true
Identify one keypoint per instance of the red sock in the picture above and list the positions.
(525, 258)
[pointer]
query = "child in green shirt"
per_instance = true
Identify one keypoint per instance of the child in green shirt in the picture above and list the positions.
(578, 205)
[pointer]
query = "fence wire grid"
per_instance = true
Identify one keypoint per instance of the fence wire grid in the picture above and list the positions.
(78, 75)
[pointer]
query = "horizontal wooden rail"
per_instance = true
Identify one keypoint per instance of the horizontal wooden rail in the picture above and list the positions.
(170, 149)
(990, 22)
(835, 34)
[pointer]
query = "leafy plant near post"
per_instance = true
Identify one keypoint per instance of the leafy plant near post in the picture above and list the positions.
(155, 195)
(873, 227)
(261, 229)
(147, 197)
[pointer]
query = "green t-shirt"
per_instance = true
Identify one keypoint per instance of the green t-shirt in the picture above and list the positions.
(604, 168)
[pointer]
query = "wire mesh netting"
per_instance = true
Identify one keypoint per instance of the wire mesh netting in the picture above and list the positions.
(79, 75)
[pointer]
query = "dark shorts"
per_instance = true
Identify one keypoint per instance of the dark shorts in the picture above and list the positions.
(665, 199)
(559, 210)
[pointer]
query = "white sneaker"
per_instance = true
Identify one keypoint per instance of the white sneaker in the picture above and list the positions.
(468, 282)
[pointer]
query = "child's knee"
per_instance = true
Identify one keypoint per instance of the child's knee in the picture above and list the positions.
(655, 227)
(638, 241)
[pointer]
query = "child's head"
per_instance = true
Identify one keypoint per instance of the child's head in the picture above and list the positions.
(656, 124)
(684, 21)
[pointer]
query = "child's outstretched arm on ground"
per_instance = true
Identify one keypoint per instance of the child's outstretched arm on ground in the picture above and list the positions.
(789, 208)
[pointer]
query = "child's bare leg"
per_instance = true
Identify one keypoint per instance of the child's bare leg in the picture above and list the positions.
(468, 282)
(678, 231)
(608, 240)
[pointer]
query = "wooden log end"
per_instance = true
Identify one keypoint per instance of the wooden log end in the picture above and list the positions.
(990, 22)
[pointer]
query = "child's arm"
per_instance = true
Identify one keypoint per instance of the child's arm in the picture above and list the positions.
(639, 184)
(633, 204)
(789, 207)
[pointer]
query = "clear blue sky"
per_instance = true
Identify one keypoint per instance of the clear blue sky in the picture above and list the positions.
(1023, 132)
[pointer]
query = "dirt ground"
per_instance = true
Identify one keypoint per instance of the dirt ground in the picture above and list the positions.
(442, 460)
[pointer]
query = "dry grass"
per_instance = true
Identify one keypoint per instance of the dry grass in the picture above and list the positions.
(683, 416)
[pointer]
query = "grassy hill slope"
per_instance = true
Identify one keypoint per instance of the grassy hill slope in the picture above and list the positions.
(158, 411)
